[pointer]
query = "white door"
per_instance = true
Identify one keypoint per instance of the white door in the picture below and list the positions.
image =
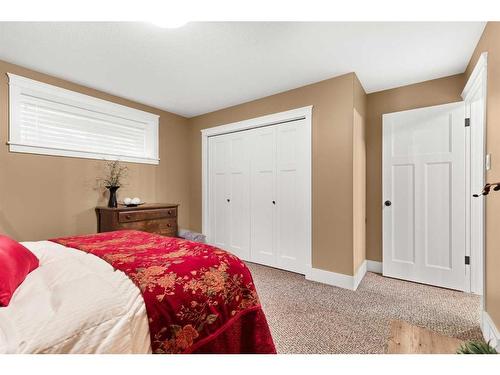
(218, 191)
(259, 194)
(424, 195)
(291, 185)
(239, 195)
(229, 203)
(262, 195)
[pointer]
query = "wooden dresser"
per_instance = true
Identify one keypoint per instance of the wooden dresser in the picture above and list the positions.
(154, 218)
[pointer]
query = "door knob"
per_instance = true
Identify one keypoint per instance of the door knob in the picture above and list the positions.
(229, 200)
(387, 203)
(274, 202)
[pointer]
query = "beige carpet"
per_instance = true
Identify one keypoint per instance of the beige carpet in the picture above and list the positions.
(309, 317)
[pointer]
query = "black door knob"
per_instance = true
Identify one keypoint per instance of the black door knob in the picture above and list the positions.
(387, 203)
(229, 200)
(274, 202)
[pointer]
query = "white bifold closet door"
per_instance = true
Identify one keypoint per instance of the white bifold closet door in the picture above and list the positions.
(257, 192)
(229, 202)
(263, 194)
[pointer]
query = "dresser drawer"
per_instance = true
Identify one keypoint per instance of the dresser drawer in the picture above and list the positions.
(166, 227)
(141, 215)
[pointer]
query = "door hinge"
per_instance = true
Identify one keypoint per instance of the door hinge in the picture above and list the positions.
(467, 259)
(467, 122)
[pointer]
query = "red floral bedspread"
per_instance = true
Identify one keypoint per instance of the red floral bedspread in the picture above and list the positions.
(198, 298)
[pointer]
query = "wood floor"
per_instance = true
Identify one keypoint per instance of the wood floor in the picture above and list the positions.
(409, 339)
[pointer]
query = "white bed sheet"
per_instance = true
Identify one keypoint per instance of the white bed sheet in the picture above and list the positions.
(74, 302)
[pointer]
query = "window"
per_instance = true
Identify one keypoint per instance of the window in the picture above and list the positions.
(49, 120)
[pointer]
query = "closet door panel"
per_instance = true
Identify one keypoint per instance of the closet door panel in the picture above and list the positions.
(218, 191)
(289, 192)
(263, 152)
(239, 185)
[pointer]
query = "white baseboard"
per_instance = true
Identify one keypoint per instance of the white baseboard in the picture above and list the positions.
(374, 266)
(490, 331)
(360, 273)
(337, 279)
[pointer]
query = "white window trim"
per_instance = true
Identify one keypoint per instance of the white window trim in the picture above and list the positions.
(19, 85)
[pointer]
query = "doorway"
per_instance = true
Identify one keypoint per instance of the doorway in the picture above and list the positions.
(433, 162)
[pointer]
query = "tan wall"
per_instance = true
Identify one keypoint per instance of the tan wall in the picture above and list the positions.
(434, 92)
(359, 174)
(47, 196)
(359, 190)
(332, 170)
(490, 42)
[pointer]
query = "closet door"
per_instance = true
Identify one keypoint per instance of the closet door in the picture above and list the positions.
(291, 185)
(218, 205)
(262, 195)
(239, 195)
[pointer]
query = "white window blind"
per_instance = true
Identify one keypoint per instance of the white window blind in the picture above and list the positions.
(46, 119)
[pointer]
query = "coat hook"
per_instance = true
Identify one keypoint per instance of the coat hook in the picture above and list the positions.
(487, 188)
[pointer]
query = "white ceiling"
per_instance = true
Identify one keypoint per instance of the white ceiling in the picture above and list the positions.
(202, 67)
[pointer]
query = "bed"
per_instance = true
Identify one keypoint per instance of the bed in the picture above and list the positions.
(134, 292)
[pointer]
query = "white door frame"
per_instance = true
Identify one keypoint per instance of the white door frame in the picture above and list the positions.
(475, 231)
(304, 113)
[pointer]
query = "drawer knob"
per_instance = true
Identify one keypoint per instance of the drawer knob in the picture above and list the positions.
(128, 217)
(168, 225)
(169, 212)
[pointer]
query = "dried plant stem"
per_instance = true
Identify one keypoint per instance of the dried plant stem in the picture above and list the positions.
(115, 174)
